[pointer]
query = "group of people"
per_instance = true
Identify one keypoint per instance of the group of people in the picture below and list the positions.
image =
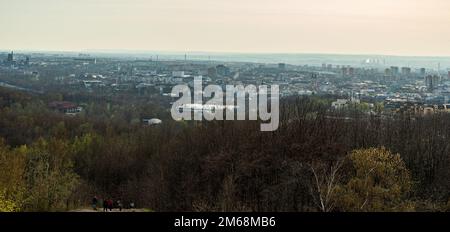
(109, 204)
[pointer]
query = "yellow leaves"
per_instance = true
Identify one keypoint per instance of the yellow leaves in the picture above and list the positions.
(12, 168)
(375, 180)
(36, 178)
(7, 205)
(380, 182)
(50, 177)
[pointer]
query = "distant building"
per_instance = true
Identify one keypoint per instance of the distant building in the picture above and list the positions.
(10, 58)
(406, 71)
(429, 82)
(448, 74)
(152, 121)
(35, 75)
(92, 83)
(339, 103)
(212, 72)
(432, 81)
(351, 71)
(87, 60)
(422, 71)
(394, 70)
(348, 71)
(65, 107)
(387, 72)
(282, 66)
(344, 71)
(178, 73)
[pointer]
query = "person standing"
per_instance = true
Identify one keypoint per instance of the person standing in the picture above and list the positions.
(105, 205)
(119, 205)
(132, 206)
(110, 205)
(94, 203)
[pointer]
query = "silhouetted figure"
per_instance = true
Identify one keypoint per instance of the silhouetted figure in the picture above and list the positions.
(94, 203)
(105, 205)
(119, 205)
(110, 204)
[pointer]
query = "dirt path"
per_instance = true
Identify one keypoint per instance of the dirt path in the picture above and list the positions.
(100, 210)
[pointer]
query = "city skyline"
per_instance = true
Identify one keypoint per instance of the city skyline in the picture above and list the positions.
(403, 28)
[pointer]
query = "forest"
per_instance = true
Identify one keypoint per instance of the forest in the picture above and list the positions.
(318, 159)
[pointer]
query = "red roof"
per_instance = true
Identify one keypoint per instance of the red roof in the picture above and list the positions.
(62, 105)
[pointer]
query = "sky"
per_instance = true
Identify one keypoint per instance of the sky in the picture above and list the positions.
(388, 27)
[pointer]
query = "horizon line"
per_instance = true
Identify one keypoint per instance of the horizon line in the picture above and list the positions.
(134, 51)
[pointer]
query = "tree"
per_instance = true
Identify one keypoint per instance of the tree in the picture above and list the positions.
(325, 182)
(49, 175)
(379, 181)
(12, 182)
(7, 205)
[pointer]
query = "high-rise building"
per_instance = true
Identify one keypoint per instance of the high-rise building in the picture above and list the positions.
(282, 66)
(351, 71)
(10, 58)
(348, 71)
(432, 81)
(406, 71)
(429, 82)
(344, 71)
(422, 71)
(394, 70)
(387, 72)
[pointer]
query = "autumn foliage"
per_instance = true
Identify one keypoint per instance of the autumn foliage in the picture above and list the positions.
(318, 160)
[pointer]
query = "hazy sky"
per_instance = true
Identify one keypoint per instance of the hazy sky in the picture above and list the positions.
(402, 27)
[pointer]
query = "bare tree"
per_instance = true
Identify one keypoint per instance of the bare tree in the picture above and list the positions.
(325, 180)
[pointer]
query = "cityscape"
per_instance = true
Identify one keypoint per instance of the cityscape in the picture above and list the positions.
(224, 115)
(382, 89)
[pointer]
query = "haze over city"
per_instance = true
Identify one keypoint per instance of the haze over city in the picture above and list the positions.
(401, 27)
